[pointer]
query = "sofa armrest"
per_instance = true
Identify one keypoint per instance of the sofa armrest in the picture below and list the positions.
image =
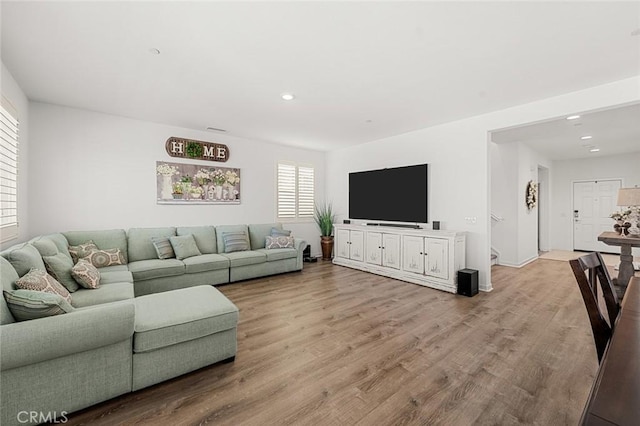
(300, 245)
(29, 342)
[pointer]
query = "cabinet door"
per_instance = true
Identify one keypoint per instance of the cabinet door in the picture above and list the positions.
(391, 250)
(357, 245)
(342, 243)
(413, 254)
(374, 248)
(437, 259)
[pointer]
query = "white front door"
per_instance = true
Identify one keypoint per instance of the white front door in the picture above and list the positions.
(593, 203)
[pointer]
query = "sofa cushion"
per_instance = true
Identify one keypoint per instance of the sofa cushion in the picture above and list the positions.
(227, 228)
(82, 250)
(165, 319)
(104, 258)
(235, 241)
(244, 258)
(23, 257)
(205, 237)
(108, 276)
(8, 277)
(57, 239)
(45, 247)
(156, 268)
(39, 280)
(106, 293)
(163, 247)
(103, 239)
(59, 267)
(279, 254)
(184, 246)
(86, 274)
(205, 262)
(140, 245)
(258, 232)
(29, 304)
(281, 242)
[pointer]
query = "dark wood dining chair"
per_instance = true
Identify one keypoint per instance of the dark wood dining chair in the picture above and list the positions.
(591, 273)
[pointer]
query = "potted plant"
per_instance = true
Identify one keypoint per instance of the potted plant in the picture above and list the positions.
(177, 190)
(325, 217)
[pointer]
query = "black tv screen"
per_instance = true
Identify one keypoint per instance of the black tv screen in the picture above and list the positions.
(398, 194)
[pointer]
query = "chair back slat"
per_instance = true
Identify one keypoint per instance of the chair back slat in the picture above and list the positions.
(590, 273)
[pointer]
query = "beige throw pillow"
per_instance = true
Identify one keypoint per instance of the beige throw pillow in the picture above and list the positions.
(39, 280)
(86, 274)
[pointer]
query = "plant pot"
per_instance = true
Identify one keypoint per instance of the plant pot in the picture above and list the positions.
(327, 247)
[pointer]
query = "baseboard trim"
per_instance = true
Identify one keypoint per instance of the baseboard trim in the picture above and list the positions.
(520, 265)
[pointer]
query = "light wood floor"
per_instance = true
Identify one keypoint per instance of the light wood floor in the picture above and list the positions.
(335, 346)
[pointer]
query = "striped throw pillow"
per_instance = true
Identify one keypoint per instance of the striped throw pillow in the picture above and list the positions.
(277, 232)
(235, 241)
(30, 304)
(163, 247)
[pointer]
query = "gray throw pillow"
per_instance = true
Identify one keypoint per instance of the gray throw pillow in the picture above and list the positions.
(184, 246)
(59, 267)
(277, 232)
(235, 241)
(29, 304)
(163, 247)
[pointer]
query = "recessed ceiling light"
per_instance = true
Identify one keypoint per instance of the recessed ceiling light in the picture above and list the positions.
(368, 121)
(154, 51)
(584, 138)
(573, 117)
(594, 150)
(288, 96)
(635, 32)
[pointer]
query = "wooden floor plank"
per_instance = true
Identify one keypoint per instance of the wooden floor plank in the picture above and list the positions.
(336, 346)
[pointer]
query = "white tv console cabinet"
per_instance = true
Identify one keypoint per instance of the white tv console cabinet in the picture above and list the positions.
(420, 256)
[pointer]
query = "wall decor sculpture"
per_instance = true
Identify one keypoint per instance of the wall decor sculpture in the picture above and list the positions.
(179, 183)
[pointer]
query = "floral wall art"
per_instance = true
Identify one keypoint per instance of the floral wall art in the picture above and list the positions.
(179, 183)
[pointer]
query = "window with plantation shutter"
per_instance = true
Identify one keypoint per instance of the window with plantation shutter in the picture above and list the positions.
(8, 175)
(296, 191)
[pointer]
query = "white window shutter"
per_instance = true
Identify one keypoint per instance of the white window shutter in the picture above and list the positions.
(8, 175)
(286, 191)
(306, 200)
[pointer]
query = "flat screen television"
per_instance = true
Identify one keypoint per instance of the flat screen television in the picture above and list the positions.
(398, 194)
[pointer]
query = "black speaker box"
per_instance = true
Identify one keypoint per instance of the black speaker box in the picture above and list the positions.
(435, 225)
(306, 253)
(468, 282)
(346, 221)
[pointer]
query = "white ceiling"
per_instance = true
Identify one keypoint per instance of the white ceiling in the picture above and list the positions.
(401, 65)
(613, 131)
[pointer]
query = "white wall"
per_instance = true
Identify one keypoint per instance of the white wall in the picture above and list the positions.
(529, 160)
(504, 190)
(96, 171)
(14, 94)
(458, 154)
(626, 167)
(513, 165)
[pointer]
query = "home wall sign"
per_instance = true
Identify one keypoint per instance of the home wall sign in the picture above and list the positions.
(198, 150)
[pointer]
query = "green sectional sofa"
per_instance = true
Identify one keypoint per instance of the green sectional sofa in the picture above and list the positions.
(149, 320)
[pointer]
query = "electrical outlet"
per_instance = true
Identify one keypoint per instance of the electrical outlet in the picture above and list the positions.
(471, 219)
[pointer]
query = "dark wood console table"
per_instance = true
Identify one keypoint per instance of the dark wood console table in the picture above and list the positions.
(615, 396)
(626, 271)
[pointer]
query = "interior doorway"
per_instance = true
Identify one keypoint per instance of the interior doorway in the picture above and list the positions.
(593, 203)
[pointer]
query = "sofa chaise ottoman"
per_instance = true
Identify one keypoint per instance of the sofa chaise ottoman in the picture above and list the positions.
(181, 331)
